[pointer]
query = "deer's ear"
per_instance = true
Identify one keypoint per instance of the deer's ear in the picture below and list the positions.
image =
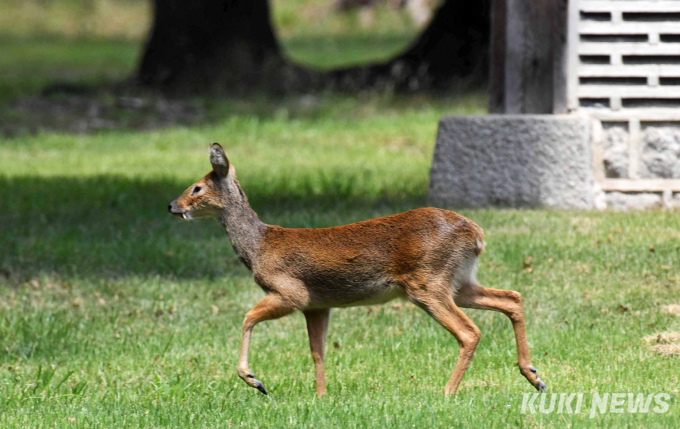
(219, 161)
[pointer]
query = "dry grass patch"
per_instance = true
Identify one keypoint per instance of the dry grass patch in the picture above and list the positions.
(672, 309)
(664, 343)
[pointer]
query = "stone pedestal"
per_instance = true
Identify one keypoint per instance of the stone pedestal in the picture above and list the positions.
(513, 161)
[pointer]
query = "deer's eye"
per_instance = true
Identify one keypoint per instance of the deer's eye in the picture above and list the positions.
(196, 190)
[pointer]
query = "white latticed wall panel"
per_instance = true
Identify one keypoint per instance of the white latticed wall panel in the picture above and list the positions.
(624, 71)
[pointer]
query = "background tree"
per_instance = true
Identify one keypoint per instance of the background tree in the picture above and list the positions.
(203, 45)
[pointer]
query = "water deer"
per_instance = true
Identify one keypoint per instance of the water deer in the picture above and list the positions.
(426, 255)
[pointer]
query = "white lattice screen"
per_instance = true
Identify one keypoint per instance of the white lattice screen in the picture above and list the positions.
(624, 70)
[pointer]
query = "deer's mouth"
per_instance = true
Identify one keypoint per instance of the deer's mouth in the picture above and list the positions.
(175, 210)
(183, 214)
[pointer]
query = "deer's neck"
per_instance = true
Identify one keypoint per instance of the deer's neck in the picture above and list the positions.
(244, 229)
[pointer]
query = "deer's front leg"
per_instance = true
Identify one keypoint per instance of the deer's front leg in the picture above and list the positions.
(271, 307)
(317, 326)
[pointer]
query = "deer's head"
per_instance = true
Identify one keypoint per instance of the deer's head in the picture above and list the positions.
(210, 195)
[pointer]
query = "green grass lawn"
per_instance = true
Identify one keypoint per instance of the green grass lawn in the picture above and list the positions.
(29, 65)
(114, 314)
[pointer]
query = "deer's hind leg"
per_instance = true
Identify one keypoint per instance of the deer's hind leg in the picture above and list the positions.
(317, 327)
(509, 303)
(438, 302)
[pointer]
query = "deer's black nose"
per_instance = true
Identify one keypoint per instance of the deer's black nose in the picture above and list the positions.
(170, 208)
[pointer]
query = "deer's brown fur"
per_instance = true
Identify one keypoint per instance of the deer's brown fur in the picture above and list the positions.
(427, 255)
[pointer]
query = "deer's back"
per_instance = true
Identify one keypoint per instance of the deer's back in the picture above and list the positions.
(379, 253)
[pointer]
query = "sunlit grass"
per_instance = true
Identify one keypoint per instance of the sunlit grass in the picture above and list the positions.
(115, 313)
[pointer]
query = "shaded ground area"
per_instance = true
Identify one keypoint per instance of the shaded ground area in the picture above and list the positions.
(92, 111)
(82, 114)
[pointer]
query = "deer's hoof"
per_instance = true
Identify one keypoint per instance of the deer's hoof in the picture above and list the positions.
(257, 384)
(251, 381)
(540, 385)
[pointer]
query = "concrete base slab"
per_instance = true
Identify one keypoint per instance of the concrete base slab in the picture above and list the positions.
(513, 161)
(633, 201)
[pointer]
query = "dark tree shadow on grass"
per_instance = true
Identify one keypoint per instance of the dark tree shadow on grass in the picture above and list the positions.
(112, 227)
(107, 108)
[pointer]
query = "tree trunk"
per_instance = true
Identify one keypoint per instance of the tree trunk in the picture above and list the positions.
(200, 45)
(208, 45)
(453, 47)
